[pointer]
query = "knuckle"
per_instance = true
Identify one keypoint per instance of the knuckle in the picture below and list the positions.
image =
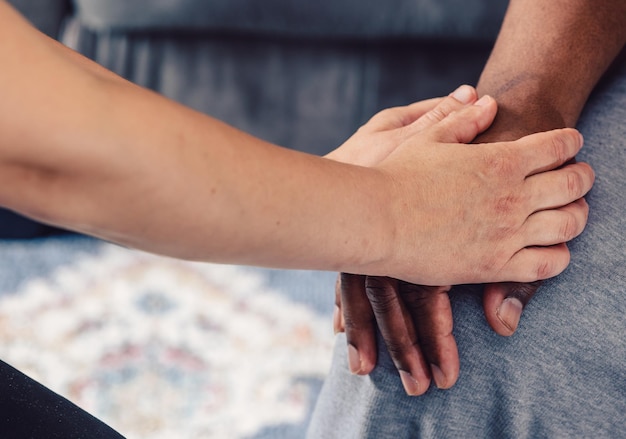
(559, 146)
(476, 126)
(569, 228)
(471, 116)
(507, 226)
(492, 262)
(548, 268)
(585, 209)
(414, 292)
(351, 324)
(382, 303)
(417, 298)
(430, 347)
(400, 350)
(505, 204)
(380, 119)
(486, 268)
(498, 162)
(356, 323)
(381, 294)
(544, 270)
(384, 114)
(574, 184)
(438, 113)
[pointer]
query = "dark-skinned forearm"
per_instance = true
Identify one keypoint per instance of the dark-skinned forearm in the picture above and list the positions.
(547, 59)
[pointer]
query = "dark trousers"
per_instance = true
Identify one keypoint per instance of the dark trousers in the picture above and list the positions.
(30, 410)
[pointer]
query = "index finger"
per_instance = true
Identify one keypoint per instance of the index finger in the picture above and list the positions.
(432, 316)
(548, 150)
(359, 324)
(398, 117)
(398, 331)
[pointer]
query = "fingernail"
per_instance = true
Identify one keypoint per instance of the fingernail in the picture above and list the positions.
(337, 320)
(354, 360)
(509, 312)
(411, 386)
(483, 101)
(463, 94)
(438, 376)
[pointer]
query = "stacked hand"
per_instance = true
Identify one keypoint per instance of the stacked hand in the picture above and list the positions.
(416, 320)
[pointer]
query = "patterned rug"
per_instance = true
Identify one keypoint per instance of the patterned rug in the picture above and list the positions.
(160, 348)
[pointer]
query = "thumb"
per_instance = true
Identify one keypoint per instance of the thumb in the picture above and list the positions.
(464, 125)
(503, 304)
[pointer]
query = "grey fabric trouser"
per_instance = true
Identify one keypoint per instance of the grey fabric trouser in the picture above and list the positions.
(562, 375)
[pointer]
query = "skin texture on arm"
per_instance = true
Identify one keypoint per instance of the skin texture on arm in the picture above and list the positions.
(152, 172)
(547, 59)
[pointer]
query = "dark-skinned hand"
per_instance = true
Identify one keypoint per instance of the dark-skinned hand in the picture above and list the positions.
(416, 321)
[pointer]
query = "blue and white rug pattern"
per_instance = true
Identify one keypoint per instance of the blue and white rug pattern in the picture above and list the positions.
(162, 348)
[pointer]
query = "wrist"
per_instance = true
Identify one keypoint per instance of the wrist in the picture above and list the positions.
(523, 109)
(535, 102)
(374, 229)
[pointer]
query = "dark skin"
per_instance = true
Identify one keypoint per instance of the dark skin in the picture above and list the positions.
(544, 65)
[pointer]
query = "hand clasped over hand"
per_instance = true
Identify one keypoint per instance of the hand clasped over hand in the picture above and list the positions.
(532, 210)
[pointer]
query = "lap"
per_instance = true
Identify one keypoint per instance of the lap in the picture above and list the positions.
(561, 375)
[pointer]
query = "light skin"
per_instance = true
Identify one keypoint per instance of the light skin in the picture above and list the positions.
(547, 59)
(85, 150)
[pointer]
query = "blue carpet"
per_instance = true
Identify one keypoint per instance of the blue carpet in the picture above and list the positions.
(162, 348)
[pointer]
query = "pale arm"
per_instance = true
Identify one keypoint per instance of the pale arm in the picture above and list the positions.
(86, 150)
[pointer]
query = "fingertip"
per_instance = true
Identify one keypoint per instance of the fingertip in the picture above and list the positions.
(354, 360)
(532, 264)
(369, 354)
(493, 298)
(361, 360)
(465, 94)
(576, 135)
(592, 172)
(367, 365)
(554, 266)
(412, 386)
(445, 368)
(504, 304)
(508, 314)
(568, 142)
(337, 324)
(440, 379)
(585, 206)
(577, 139)
(463, 125)
(485, 101)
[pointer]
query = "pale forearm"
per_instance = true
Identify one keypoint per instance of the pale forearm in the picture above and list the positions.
(548, 58)
(237, 198)
(86, 150)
